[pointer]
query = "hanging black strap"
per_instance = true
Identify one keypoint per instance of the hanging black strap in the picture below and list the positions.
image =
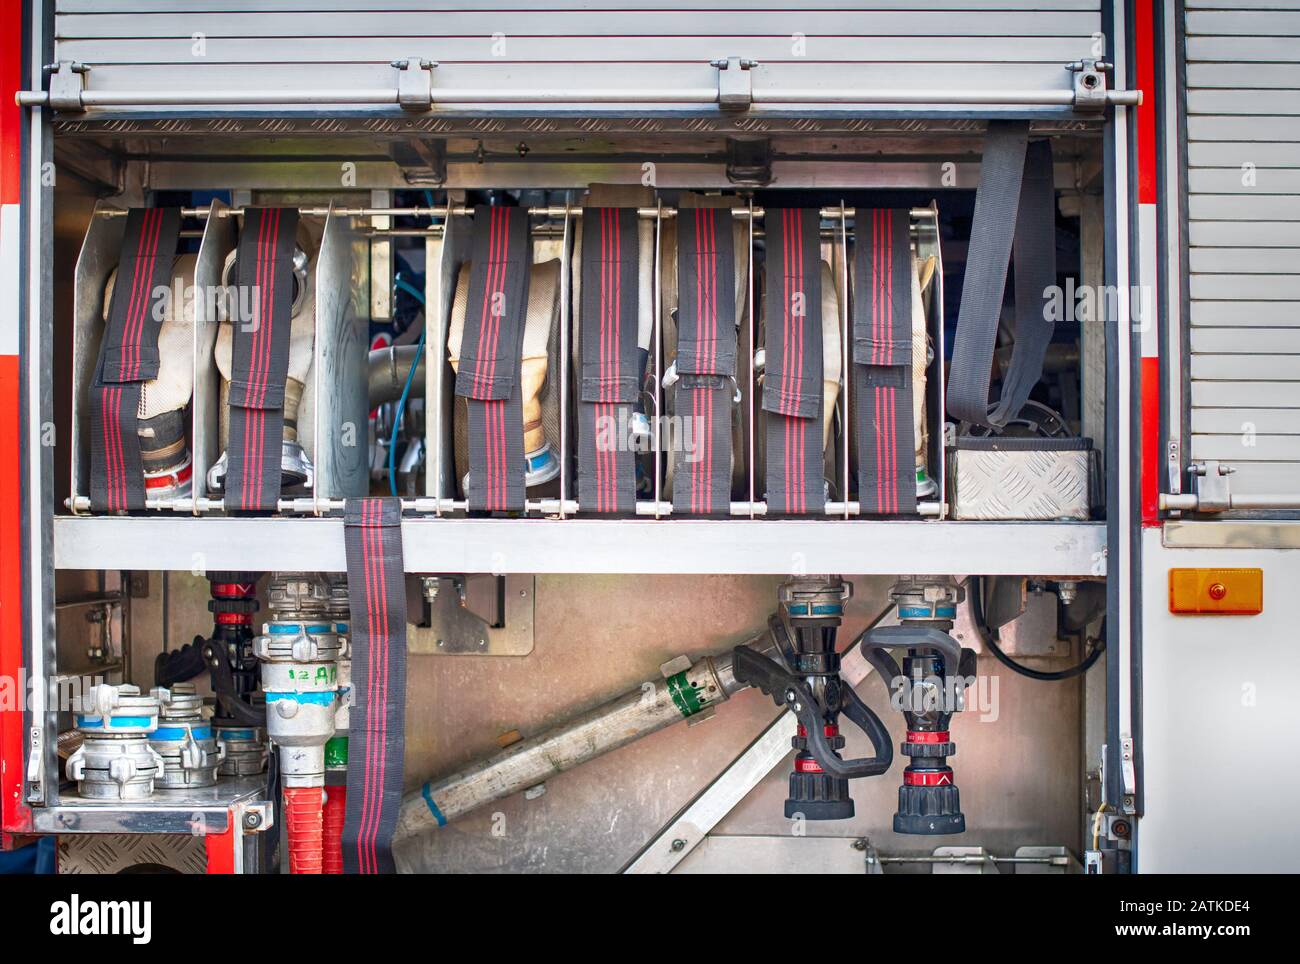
(491, 354)
(793, 373)
(882, 362)
(611, 370)
(260, 358)
(372, 530)
(128, 357)
(706, 360)
(1015, 209)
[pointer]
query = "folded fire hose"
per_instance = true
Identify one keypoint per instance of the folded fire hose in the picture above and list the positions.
(526, 422)
(122, 446)
(883, 337)
(264, 350)
(794, 371)
(377, 717)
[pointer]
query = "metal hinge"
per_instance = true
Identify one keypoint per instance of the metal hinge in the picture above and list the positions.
(67, 82)
(415, 83)
(735, 83)
(1089, 84)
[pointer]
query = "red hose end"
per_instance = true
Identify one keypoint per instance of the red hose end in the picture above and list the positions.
(304, 828)
(336, 809)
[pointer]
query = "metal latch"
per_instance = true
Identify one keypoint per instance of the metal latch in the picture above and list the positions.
(1213, 492)
(415, 83)
(735, 83)
(1089, 84)
(67, 82)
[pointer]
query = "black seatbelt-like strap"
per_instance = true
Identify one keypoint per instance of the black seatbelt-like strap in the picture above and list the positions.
(128, 357)
(372, 531)
(260, 358)
(882, 361)
(793, 373)
(1015, 208)
(706, 360)
(491, 353)
(611, 369)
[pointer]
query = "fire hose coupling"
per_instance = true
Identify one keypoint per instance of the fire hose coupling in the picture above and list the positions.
(184, 739)
(115, 760)
(300, 650)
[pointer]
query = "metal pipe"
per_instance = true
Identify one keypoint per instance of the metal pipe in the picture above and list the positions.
(644, 709)
(387, 96)
(1190, 502)
(388, 370)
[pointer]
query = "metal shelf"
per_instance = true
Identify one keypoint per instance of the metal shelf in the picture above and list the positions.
(631, 546)
(201, 811)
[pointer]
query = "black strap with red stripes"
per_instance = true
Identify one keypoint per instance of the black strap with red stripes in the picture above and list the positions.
(488, 374)
(882, 362)
(706, 361)
(372, 531)
(260, 358)
(793, 373)
(610, 383)
(128, 357)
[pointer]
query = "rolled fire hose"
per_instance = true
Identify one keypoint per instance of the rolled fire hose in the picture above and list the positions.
(647, 708)
(922, 274)
(539, 322)
(161, 414)
(297, 446)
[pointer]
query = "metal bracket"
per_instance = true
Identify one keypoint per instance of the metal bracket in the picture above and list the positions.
(1089, 84)
(35, 762)
(423, 160)
(1128, 773)
(67, 81)
(749, 161)
(1213, 491)
(735, 83)
(455, 626)
(415, 83)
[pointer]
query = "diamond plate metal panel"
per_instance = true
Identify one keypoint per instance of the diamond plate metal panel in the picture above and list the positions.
(120, 853)
(1020, 485)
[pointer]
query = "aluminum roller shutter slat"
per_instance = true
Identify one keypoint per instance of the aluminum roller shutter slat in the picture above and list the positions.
(1215, 127)
(1248, 314)
(1251, 102)
(1281, 22)
(1284, 50)
(1239, 341)
(1232, 207)
(1226, 287)
(1229, 421)
(1227, 368)
(1269, 234)
(618, 50)
(521, 22)
(1228, 180)
(1269, 153)
(660, 7)
(1246, 445)
(1244, 260)
(1256, 394)
(1243, 76)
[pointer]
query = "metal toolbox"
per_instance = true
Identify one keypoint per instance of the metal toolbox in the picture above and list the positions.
(1021, 478)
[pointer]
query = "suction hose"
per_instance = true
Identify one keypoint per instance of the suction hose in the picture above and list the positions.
(647, 708)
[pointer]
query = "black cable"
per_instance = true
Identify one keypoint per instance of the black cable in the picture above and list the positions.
(989, 637)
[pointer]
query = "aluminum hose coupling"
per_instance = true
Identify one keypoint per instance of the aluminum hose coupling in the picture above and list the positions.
(184, 739)
(115, 760)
